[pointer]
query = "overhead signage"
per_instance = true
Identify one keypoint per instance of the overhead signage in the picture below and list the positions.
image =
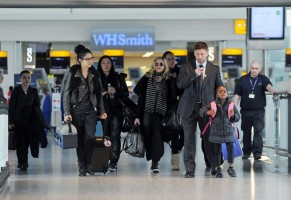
(59, 61)
(129, 39)
(232, 58)
(29, 54)
(3, 62)
(288, 57)
(240, 26)
(117, 56)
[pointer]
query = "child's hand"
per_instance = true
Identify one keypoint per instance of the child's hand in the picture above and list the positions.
(211, 112)
(231, 113)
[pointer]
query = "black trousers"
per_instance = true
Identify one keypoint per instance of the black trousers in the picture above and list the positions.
(22, 145)
(86, 127)
(153, 137)
(112, 128)
(252, 119)
(216, 159)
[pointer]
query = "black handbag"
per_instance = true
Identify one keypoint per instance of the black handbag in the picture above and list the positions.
(128, 114)
(172, 121)
(12, 140)
(133, 143)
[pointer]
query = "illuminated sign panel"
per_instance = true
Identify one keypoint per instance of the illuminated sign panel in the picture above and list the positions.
(130, 39)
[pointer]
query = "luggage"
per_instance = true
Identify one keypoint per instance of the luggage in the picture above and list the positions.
(133, 143)
(66, 135)
(237, 151)
(101, 154)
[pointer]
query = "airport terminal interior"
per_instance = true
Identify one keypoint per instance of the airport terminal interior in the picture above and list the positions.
(41, 38)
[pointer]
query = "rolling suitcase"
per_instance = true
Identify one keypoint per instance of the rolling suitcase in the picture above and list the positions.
(101, 154)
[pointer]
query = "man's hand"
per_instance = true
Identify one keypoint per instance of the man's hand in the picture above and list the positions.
(68, 118)
(199, 71)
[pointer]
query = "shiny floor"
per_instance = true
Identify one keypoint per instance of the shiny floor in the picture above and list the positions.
(54, 176)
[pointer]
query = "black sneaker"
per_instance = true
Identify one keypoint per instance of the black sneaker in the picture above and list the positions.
(245, 156)
(213, 172)
(219, 173)
(257, 156)
(90, 169)
(82, 172)
(155, 167)
(112, 167)
(24, 167)
(231, 172)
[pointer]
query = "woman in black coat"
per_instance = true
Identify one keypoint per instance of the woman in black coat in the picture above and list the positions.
(157, 94)
(177, 139)
(115, 89)
(83, 104)
(24, 101)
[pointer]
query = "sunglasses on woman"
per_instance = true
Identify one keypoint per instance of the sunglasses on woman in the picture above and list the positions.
(157, 64)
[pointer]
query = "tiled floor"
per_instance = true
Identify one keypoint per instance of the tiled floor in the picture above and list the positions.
(54, 176)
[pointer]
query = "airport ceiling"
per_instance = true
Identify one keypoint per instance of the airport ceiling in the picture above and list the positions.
(139, 3)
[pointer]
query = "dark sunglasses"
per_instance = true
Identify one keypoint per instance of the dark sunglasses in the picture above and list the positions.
(157, 64)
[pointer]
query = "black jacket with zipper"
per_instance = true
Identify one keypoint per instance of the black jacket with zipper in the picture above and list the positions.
(75, 90)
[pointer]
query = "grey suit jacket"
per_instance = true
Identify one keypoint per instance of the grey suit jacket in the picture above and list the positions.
(187, 80)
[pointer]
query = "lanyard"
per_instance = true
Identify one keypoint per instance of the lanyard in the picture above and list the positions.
(253, 86)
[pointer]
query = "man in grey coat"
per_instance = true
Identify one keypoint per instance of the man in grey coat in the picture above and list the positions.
(199, 81)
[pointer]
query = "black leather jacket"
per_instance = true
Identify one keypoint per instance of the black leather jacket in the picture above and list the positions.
(75, 90)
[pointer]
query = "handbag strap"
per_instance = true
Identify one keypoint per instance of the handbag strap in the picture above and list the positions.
(70, 127)
(207, 125)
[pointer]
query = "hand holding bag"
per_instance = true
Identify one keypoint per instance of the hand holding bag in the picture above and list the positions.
(66, 135)
(172, 121)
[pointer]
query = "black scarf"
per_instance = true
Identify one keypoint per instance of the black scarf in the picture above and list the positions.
(156, 96)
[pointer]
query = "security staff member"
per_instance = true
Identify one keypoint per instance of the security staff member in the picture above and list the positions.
(251, 88)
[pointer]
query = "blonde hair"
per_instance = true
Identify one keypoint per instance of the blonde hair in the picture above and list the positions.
(165, 74)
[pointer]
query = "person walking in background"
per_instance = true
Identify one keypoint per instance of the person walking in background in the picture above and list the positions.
(157, 93)
(177, 140)
(115, 90)
(221, 130)
(83, 104)
(9, 94)
(1, 80)
(251, 89)
(23, 101)
(199, 81)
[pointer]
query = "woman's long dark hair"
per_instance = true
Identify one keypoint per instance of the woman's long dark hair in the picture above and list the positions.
(99, 68)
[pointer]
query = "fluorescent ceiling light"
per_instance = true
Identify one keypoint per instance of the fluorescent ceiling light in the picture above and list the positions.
(147, 54)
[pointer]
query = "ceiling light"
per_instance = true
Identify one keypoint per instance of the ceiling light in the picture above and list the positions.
(147, 54)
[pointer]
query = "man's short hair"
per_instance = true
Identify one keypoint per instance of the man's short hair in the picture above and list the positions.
(24, 72)
(200, 45)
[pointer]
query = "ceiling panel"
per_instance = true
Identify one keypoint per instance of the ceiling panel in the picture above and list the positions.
(138, 3)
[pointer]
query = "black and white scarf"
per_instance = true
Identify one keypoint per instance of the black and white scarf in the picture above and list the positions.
(156, 96)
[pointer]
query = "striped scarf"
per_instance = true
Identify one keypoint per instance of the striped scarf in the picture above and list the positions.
(156, 96)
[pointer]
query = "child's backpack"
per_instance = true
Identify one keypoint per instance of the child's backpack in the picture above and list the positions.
(214, 107)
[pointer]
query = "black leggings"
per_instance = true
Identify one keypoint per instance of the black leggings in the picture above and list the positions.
(216, 154)
(153, 137)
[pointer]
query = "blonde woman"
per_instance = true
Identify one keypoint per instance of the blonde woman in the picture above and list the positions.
(156, 91)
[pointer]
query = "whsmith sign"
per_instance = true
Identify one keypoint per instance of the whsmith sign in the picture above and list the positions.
(129, 39)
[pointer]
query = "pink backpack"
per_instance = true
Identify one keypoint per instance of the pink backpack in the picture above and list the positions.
(214, 107)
